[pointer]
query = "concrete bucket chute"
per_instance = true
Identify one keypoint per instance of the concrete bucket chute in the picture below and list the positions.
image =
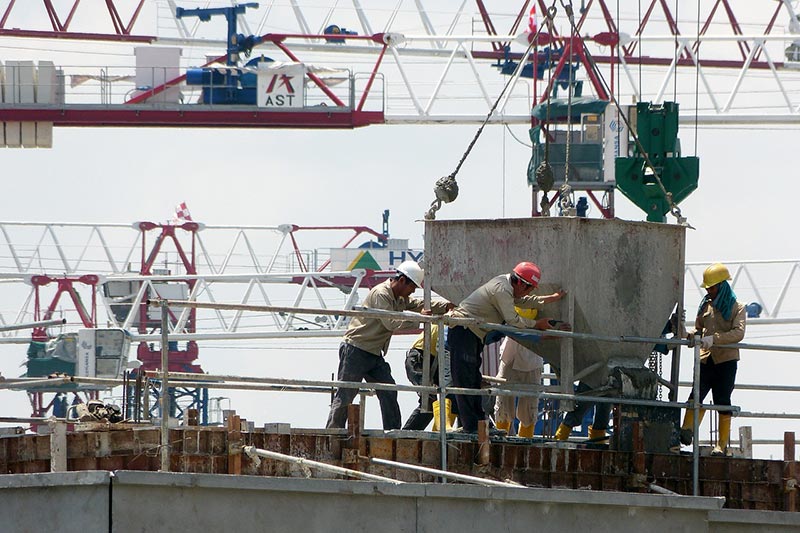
(623, 278)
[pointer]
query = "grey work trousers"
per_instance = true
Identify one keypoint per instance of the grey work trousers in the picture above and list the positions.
(355, 365)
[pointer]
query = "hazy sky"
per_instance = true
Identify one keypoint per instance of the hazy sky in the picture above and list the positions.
(744, 209)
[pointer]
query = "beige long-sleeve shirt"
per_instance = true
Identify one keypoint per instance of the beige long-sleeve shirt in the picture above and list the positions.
(494, 302)
(519, 357)
(373, 334)
(711, 322)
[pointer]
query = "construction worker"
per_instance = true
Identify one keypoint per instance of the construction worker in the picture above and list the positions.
(720, 320)
(518, 364)
(366, 343)
(493, 302)
(420, 419)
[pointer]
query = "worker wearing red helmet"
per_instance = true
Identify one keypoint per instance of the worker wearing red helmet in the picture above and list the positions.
(366, 342)
(493, 302)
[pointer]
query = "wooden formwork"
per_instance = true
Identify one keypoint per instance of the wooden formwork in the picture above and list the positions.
(745, 483)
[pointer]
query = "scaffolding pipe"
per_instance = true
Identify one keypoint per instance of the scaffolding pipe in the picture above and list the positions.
(38, 324)
(289, 385)
(298, 382)
(661, 490)
(34, 383)
(449, 320)
(696, 419)
(164, 400)
(261, 384)
(440, 362)
(444, 473)
(29, 419)
(254, 452)
(357, 311)
(750, 386)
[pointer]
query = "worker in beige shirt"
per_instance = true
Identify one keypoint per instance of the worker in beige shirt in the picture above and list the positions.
(720, 320)
(493, 302)
(366, 343)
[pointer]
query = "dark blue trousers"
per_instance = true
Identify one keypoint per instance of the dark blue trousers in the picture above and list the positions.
(465, 359)
(354, 365)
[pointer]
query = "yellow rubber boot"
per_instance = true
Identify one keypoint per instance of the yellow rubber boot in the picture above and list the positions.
(688, 419)
(449, 417)
(448, 411)
(505, 425)
(435, 406)
(526, 432)
(724, 435)
(596, 434)
(563, 431)
(687, 427)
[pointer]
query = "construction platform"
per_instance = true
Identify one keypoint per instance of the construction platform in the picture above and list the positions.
(745, 484)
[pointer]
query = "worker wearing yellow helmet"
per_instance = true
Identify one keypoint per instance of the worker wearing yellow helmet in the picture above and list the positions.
(720, 320)
(419, 418)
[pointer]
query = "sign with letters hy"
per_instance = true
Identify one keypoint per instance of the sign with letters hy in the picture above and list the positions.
(372, 258)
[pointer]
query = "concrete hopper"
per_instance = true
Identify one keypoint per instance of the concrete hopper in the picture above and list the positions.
(622, 278)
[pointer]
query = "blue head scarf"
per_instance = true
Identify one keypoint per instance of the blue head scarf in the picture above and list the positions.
(724, 301)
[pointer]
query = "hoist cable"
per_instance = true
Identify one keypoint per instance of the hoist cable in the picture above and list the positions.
(697, 80)
(675, 56)
(674, 209)
(544, 172)
(565, 191)
(446, 188)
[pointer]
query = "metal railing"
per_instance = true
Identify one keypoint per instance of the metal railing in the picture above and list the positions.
(44, 84)
(441, 389)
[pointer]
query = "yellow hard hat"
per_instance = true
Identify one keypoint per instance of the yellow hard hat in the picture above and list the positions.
(716, 273)
(530, 314)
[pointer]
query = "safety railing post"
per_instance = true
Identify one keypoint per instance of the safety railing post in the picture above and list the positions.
(164, 399)
(440, 355)
(696, 423)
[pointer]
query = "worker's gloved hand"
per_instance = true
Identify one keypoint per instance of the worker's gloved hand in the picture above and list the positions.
(690, 338)
(707, 342)
(559, 325)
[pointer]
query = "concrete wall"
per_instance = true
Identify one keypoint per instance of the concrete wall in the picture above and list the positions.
(67, 502)
(166, 502)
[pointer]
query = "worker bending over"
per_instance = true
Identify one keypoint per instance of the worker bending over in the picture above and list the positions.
(366, 343)
(493, 302)
(720, 320)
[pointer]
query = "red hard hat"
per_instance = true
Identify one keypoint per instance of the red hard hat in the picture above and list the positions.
(528, 272)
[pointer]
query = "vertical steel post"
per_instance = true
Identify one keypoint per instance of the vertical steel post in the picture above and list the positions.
(427, 353)
(696, 425)
(164, 386)
(440, 355)
(440, 364)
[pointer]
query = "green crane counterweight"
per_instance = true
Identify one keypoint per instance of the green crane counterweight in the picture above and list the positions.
(657, 131)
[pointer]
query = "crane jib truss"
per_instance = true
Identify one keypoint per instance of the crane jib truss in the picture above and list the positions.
(597, 26)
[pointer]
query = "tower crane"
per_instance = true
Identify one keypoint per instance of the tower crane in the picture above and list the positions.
(395, 89)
